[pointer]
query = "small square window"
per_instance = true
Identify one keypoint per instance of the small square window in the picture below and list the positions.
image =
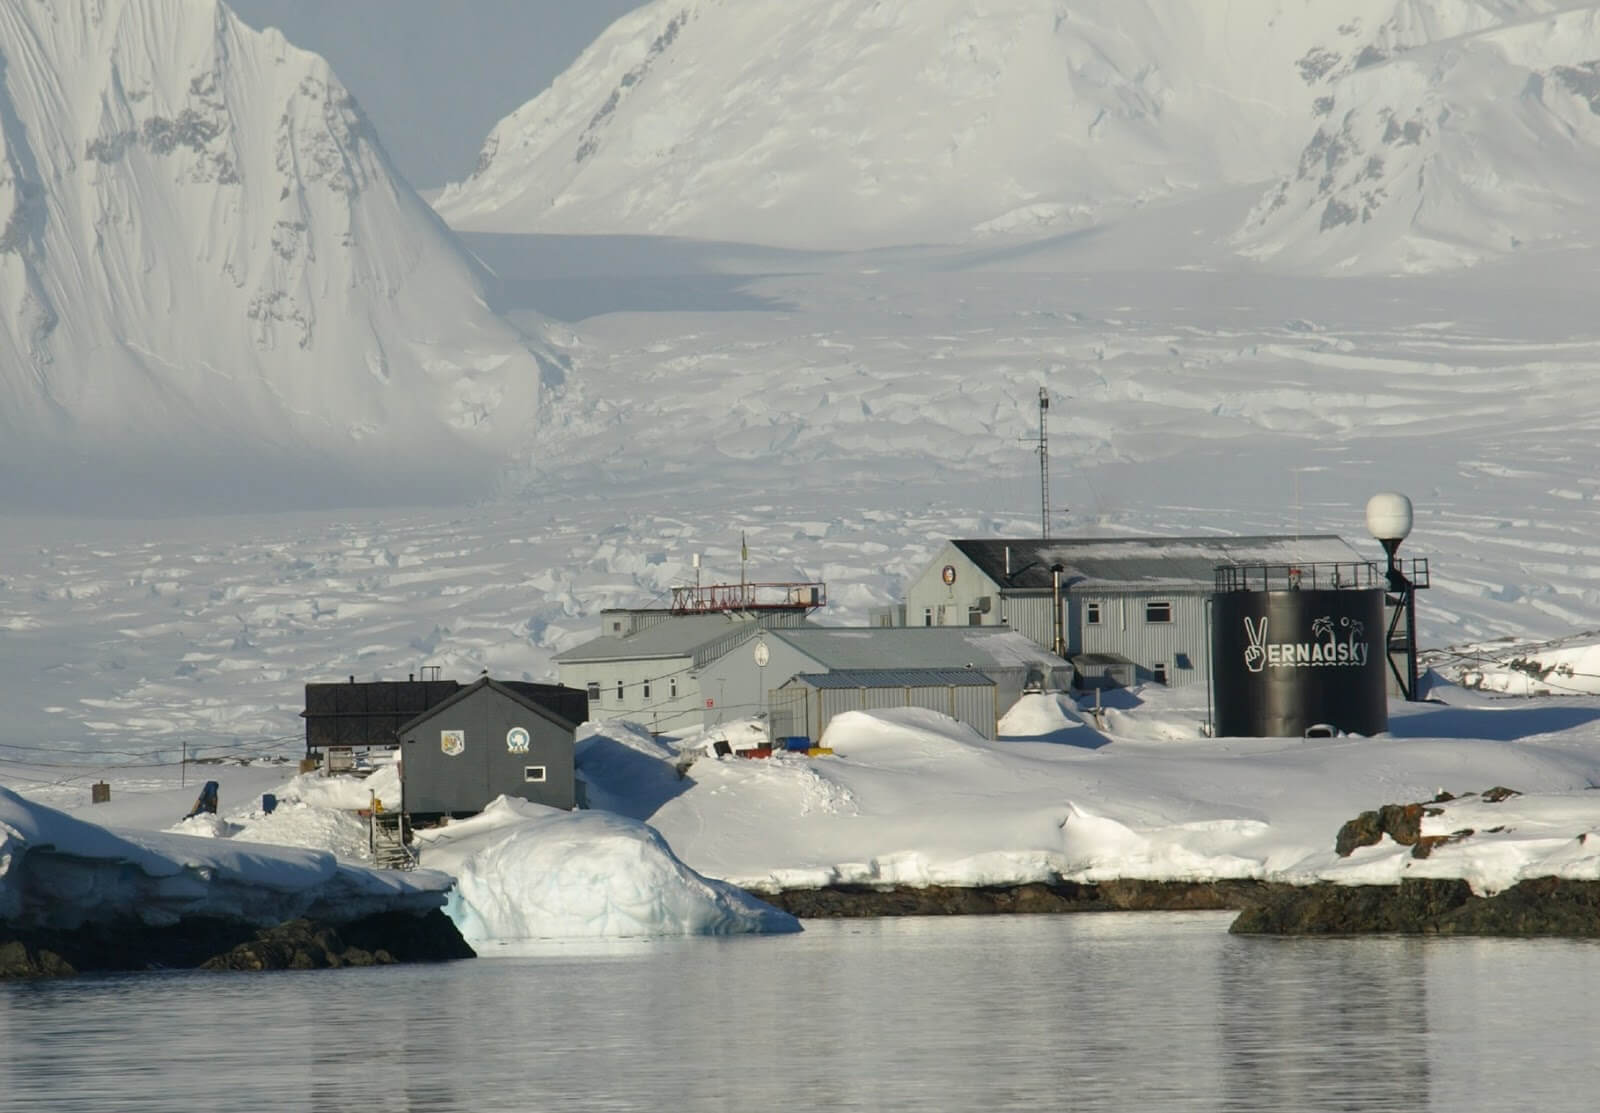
(616, 627)
(594, 690)
(1091, 614)
(1158, 612)
(1159, 671)
(533, 774)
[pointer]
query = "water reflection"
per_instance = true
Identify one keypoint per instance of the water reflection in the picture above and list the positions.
(1089, 1012)
(1323, 1023)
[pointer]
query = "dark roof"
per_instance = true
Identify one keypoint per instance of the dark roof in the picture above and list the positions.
(894, 678)
(368, 713)
(1143, 562)
(507, 689)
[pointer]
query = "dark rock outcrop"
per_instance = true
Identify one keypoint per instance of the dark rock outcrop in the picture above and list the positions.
(1547, 906)
(1401, 822)
(1059, 896)
(212, 944)
(380, 940)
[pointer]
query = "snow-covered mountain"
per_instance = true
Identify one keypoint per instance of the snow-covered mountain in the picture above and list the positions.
(209, 272)
(1445, 150)
(876, 122)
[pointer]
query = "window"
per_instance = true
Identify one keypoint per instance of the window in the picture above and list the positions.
(1158, 612)
(672, 687)
(533, 774)
(646, 689)
(927, 616)
(594, 690)
(619, 691)
(974, 616)
(1091, 614)
(616, 627)
(1159, 671)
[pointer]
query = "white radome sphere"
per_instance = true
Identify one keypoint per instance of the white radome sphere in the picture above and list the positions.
(1389, 516)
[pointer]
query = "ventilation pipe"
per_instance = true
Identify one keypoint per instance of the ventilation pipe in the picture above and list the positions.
(1059, 645)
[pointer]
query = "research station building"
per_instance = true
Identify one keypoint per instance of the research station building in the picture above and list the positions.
(1130, 610)
(489, 739)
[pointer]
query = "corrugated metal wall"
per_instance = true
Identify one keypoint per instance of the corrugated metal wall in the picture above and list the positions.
(1030, 616)
(1123, 629)
(803, 710)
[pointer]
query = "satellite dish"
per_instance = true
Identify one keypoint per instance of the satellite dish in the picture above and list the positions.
(1389, 518)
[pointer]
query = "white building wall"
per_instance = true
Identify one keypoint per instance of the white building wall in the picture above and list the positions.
(647, 691)
(1182, 644)
(930, 601)
(738, 686)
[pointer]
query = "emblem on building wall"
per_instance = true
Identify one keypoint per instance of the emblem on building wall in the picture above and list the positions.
(517, 740)
(452, 742)
(949, 574)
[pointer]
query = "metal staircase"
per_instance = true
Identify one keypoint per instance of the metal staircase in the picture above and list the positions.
(386, 838)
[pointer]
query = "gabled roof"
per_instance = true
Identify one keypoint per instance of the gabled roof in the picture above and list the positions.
(677, 636)
(916, 647)
(504, 690)
(893, 678)
(1144, 562)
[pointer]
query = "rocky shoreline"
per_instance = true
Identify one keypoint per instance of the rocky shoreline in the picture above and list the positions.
(841, 901)
(216, 944)
(1545, 906)
(1538, 907)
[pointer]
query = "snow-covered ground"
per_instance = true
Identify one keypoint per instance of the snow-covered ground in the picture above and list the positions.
(1130, 789)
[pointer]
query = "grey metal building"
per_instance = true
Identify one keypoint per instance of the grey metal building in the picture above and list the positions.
(487, 740)
(1131, 607)
(804, 705)
(748, 672)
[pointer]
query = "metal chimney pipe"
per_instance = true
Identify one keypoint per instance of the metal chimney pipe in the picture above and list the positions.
(1059, 647)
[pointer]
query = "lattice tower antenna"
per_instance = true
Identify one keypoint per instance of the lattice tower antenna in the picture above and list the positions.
(1044, 464)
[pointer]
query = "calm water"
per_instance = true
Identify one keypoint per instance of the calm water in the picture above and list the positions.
(1086, 1012)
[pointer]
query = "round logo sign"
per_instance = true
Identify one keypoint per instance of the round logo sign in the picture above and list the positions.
(949, 574)
(517, 740)
(762, 654)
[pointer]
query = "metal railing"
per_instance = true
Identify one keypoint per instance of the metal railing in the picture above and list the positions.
(1321, 576)
(1313, 576)
(749, 597)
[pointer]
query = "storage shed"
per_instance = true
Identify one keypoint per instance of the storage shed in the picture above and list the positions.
(487, 740)
(804, 705)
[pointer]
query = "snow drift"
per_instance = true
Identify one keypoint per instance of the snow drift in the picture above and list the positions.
(59, 872)
(525, 871)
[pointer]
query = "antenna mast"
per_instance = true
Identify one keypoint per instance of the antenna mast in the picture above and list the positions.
(1044, 465)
